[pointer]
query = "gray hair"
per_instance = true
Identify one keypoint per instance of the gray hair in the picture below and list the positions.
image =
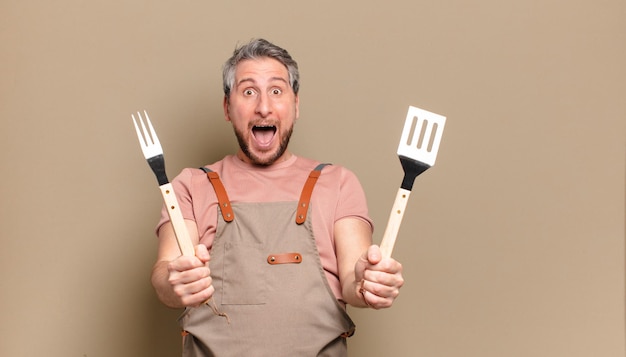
(256, 49)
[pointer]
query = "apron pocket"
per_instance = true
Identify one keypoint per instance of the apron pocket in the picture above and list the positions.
(244, 278)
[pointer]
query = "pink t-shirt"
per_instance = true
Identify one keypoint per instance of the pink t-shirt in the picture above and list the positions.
(337, 194)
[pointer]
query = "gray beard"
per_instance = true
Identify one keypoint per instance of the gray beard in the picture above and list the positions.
(284, 142)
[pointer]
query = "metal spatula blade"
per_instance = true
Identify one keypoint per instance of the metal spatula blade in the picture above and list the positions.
(417, 151)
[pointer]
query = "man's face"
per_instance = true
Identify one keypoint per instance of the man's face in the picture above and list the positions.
(262, 108)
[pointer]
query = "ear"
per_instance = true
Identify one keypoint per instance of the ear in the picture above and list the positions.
(297, 106)
(226, 110)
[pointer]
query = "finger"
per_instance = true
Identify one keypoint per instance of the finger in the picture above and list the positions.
(198, 298)
(188, 276)
(184, 263)
(192, 287)
(373, 267)
(384, 278)
(387, 265)
(381, 290)
(374, 301)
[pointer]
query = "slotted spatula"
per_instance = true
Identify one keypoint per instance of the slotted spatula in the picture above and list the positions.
(417, 150)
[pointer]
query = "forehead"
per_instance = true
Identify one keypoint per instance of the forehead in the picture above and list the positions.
(262, 69)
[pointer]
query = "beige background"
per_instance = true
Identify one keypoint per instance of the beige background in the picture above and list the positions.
(513, 244)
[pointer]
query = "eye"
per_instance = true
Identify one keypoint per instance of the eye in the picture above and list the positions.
(248, 92)
(276, 91)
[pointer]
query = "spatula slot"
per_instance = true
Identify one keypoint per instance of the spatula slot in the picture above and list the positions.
(427, 134)
(409, 139)
(420, 140)
(432, 136)
(417, 127)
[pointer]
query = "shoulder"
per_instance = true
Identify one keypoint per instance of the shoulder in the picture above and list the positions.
(339, 173)
(333, 176)
(192, 177)
(218, 166)
(329, 167)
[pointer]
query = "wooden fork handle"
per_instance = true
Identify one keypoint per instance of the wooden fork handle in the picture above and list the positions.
(180, 229)
(393, 225)
(176, 217)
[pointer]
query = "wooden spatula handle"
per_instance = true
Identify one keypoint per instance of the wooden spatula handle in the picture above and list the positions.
(176, 217)
(393, 225)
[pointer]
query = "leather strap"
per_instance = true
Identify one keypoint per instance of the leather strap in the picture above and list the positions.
(307, 191)
(284, 258)
(303, 204)
(222, 196)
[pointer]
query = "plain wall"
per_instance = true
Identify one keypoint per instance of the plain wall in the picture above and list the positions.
(512, 244)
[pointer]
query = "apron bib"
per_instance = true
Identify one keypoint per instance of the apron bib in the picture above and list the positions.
(271, 292)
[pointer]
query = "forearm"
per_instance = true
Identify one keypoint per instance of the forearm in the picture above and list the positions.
(352, 238)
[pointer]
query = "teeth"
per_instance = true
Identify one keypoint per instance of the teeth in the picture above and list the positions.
(264, 134)
(264, 127)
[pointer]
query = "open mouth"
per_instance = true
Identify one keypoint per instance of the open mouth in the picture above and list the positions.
(263, 134)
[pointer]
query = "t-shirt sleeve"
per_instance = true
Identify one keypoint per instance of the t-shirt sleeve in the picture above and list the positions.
(352, 200)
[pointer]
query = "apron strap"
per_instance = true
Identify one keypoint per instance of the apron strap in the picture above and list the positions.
(307, 191)
(222, 196)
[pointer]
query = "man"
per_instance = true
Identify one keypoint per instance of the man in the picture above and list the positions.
(282, 242)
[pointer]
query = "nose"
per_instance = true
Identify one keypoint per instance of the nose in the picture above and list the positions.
(263, 106)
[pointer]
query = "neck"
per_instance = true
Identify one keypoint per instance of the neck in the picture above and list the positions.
(243, 157)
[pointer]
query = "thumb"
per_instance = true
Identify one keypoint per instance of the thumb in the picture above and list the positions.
(374, 255)
(202, 253)
(371, 256)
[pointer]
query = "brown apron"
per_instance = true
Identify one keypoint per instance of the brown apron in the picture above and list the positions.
(271, 294)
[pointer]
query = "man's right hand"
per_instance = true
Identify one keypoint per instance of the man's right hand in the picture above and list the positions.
(190, 277)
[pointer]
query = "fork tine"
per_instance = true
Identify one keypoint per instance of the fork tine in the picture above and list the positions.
(153, 135)
(147, 137)
(142, 141)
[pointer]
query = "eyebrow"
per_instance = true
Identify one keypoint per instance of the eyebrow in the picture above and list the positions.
(249, 79)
